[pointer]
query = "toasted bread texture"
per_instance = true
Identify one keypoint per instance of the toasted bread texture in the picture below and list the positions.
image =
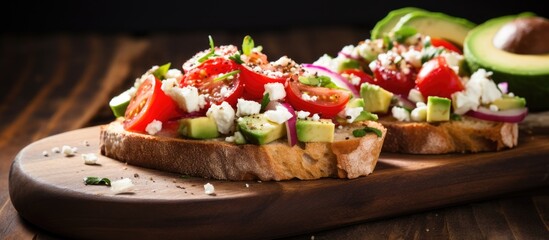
(467, 135)
(346, 157)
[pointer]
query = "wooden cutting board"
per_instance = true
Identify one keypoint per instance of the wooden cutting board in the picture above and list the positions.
(49, 192)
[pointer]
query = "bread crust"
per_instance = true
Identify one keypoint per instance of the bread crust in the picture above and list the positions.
(466, 135)
(347, 157)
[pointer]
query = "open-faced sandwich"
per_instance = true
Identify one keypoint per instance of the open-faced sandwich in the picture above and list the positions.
(431, 98)
(232, 114)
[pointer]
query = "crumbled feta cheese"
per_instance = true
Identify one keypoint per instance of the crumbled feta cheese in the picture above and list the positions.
(246, 107)
(280, 115)
(478, 90)
(275, 90)
(223, 115)
(307, 97)
(174, 73)
(247, 185)
(187, 98)
(413, 57)
(230, 139)
(153, 127)
(56, 150)
(420, 104)
(419, 114)
(45, 153)
(283, 61)
(453, 59)
(350, 114)
(494, 108)
(209, 189)
(315, 117)
(302, 114)
(121, 186)
(68, 151)
(89, 158)
(401, 114)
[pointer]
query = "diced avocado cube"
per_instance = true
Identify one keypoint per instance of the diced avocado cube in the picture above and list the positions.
(198, 128)
(376, 99)
(119, 103)
(506, 103)
(315, 131)
(258, 129)
(355, 102)
(366, 116)
(438, 109)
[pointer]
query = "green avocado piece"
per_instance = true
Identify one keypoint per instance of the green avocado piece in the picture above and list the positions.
(438, 109)
(119, 103)
(376, 99)
(436, 24)
(258, 129)
(355, 102)
(198, 128)
(315, 131)
(506, 103)
(386, 24)
(366, 116)
(527, 75)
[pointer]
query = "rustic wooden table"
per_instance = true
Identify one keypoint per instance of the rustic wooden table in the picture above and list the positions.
(57, 82)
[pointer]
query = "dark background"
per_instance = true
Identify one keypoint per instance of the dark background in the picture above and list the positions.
(141, 17)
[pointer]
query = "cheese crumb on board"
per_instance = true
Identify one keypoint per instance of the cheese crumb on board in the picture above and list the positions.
(153, 127)
(122, 185)
(89, 158)
(68, 151)
(209, 189)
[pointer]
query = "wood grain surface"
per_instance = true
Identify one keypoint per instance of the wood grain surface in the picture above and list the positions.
(57, 82)
(49, 191)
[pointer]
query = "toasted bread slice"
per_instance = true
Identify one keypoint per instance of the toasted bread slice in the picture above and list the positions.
(466, 135)
(346, 157)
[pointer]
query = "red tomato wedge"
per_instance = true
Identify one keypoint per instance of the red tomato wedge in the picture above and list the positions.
(439, 42)
(436, 78)
(364, 77)
(208, 79)
(149, 103)
(254, 82)
(324, 101)
(393, 79)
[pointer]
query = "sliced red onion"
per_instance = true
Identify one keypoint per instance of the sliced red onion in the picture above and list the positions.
(291, 131)
(511, 115)
(337, 79)
(349, 56)
(504, 87)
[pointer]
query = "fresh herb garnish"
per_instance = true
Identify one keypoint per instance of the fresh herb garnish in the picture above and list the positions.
(265, 101)
(363, 131)
(160, 72)
(430, 53)
(97, 181)
(209, 54)
(318, 81)
(236, 58)
(247, 45)
(455, 117)
(226, 75)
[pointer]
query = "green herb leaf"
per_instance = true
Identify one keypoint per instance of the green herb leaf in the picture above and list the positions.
(455, 117)
(226, 75)
(430, 53)
(317, 81)
(160, 72)
(362, 132)
(97, 181)
(209, 54)
(247, 45)
(265, 101)
(236, 58)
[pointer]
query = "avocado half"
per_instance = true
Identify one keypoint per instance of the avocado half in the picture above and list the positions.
(386, 24)
(527, 75)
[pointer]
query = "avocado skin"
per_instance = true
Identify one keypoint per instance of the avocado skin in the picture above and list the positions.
(388, 22)
(532, 86)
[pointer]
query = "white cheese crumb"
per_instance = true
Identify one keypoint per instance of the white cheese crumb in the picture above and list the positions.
(230, 139)
(413, 57)
(246, 107)
(302, 114)
(419, 114)
(307, 97)
(45, 153)
(494, 108)
(315, 117)
(122, 185)
(174, 73)
(453, 59)
(247, 185)
(153, 127)
(89, 158)
(478, 90)
(415, 96)
(223, 115)
(209, 189)
(283, 61)
(401, 114)
(340, 127)
(275, 90)
(187, 98)
(56, 150)
(68, 151)
(350, 114)
(280, 115)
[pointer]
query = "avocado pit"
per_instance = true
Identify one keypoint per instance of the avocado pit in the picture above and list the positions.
(525, 35)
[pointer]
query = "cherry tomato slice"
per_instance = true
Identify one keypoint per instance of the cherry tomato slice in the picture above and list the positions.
(436, 78)
(149, 103)
(364, 77)
(254, 81)
(324, 101)
(394, 79)
(205, 77)
(439, 42)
